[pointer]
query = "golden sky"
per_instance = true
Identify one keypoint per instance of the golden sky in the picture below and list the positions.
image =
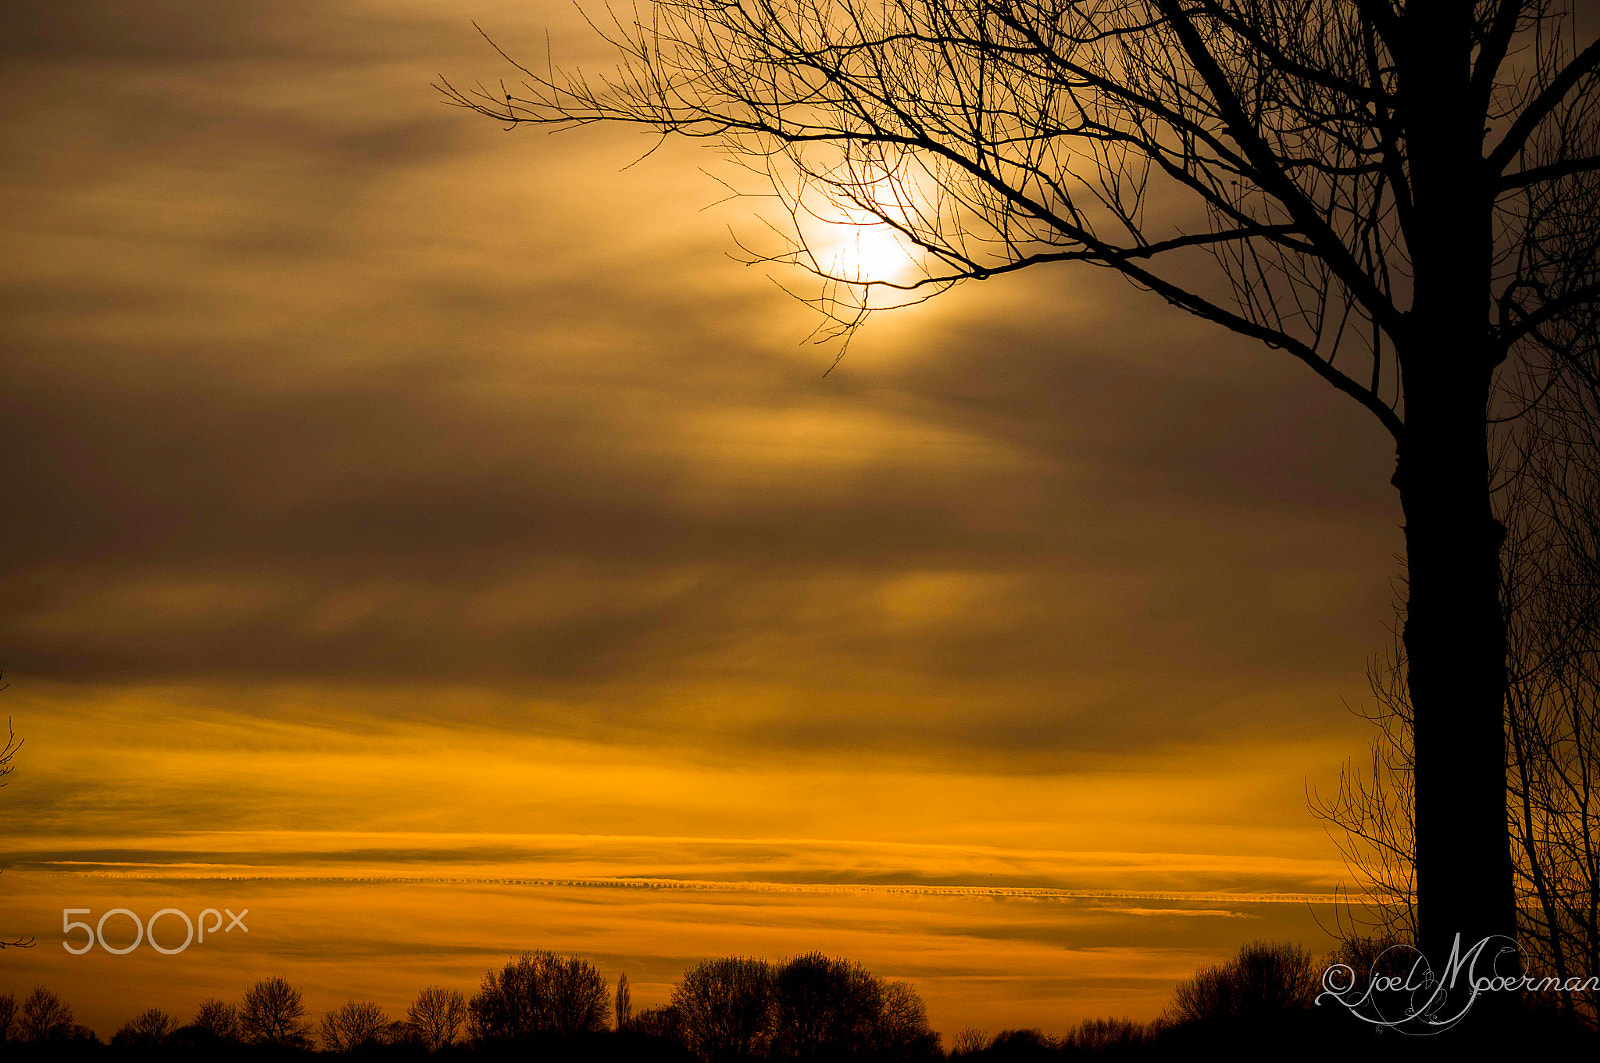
(426, 536)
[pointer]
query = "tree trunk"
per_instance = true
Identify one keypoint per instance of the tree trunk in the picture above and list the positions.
(1455, 629)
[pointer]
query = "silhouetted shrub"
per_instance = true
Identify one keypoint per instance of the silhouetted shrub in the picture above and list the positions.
(539, 996)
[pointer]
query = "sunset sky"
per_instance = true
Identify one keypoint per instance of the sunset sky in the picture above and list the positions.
(426, 536)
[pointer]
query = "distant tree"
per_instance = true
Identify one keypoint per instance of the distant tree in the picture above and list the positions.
(8, 1017)
(1100, 1036)
(148, 1029)
(272, 1013)
(1022, 1046)
(1262, 981)
(218, 1017)
(822, 1007)
(400, 1033)
(539, 996)
(624, 1006)
(969, 1042)
(828, 1008)
(437, 1015)
(901, 1030)
(353, 1025)
(726, 1008)
(660, 1024)
(45, 1017)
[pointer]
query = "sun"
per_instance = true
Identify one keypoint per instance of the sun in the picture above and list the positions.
(864, 253)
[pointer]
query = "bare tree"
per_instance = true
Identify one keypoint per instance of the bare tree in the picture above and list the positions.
(45, 1017)
(968, 1042)
(1550, 503)
(824, 1008)
(725, 1008)
(353, 1025)
(148, 1029)
(539, 995)
(1365, 185)
(1264, 981)
(1105, 1036)
(273, 1013)
(8, 1017)
(438, 1014)
(218, 1019)
(1553, 609)
(9, 750)
(1371, 818)
(624, 1004)
(900, 1029)
(660, 1024)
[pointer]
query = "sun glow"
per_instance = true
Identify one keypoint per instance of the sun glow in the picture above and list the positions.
(865, 253)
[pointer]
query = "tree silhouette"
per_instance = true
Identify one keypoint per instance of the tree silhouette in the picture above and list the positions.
(539, 995)
(273, 1013)
(214, 1029)
(146, 1030)
(1550, 501)
(663, 1024)
(968, 1042)
(45, 1017)
(1106, 1036)
(1263, 982)
(218, 1018)
(900, 1028)
(1552, 580)
(437, 1015)
(823, 1007)
(724, 1008)
(353, 1025)
(1369, 186)
(624, 1004)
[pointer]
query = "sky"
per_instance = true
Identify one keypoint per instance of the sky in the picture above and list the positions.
(430, 537)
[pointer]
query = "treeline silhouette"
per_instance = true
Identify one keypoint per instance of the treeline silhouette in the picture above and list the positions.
(808, 1009)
